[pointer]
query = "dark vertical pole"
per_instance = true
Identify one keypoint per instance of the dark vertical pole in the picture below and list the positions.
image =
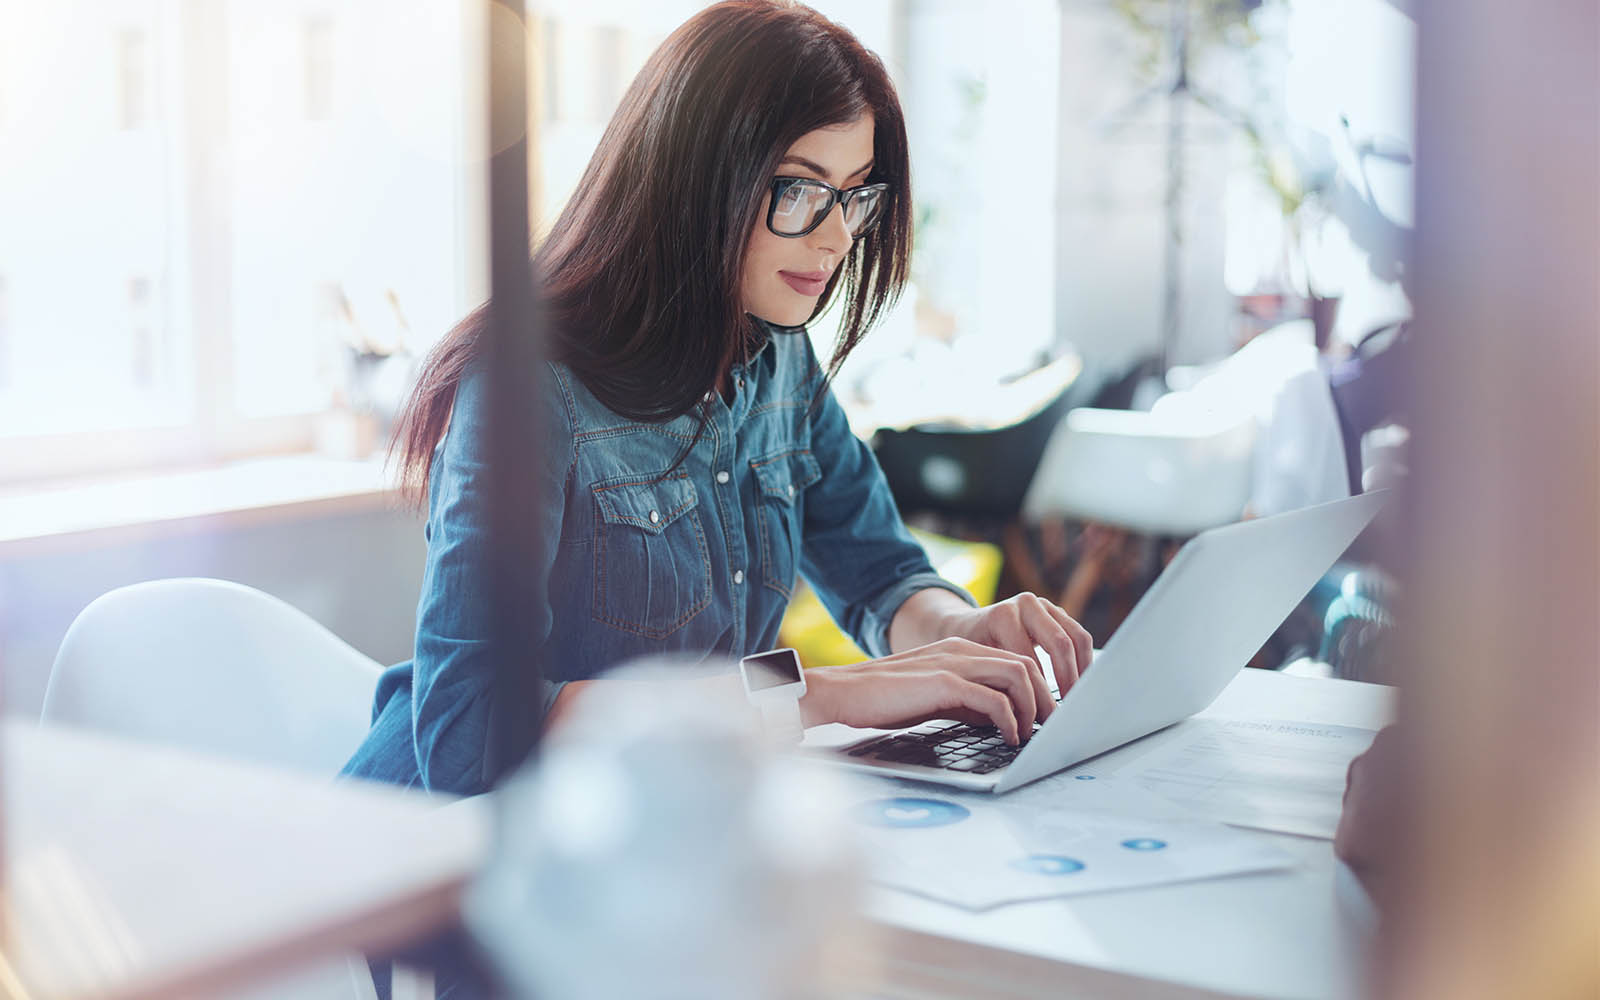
(513, 350)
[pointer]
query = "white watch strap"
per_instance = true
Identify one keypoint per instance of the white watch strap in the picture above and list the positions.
(782, 719)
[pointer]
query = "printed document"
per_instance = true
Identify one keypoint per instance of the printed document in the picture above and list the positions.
(1275, 775)
(1071, 834)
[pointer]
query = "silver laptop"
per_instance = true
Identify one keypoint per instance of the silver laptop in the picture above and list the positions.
(1218, 600)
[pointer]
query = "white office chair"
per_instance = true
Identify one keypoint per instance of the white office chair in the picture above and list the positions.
(214, 666)
(225, 669)
(1144, 471)
(1258, 430)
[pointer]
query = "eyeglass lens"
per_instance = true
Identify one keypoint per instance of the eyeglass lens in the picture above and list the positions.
(802, 207)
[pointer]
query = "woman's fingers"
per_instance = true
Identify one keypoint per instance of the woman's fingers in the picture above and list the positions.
(1021, 623)
(1053, 637)
(1015, 677)
(1082, 641)
(964, 679)
(1019, 676)
(961, 693)
(1012, 634)
(1008, 629)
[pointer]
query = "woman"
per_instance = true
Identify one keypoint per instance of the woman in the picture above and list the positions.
(693, 460)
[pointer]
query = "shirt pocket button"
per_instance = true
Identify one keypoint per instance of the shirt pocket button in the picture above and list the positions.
(652, 567)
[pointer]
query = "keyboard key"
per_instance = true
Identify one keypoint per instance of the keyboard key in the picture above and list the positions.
(868, 747)
(950, 745)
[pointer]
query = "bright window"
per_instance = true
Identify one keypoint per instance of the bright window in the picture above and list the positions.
(217, 215)
(229, 226)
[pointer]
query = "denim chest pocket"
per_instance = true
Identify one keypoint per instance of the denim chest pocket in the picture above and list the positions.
(652, 569)
(781, 480)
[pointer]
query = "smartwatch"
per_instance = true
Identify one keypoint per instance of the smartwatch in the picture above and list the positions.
(774, 682)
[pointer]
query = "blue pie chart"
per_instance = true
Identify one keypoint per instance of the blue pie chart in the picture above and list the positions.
(1048, 864)
(1144, 844)
(910, 813)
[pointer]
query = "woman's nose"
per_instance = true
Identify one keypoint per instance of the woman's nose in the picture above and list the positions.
(834, 233)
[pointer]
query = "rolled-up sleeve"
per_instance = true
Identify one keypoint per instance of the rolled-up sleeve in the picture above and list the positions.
(857, 553)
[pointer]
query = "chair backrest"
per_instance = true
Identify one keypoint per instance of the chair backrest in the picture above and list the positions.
(216, 667)
(1137, 471)
(981, 473)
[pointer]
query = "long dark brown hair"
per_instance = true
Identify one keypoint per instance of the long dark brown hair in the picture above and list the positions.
(639, 277)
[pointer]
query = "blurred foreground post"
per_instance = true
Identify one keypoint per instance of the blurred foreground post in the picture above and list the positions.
(514, 351)
(1497, 863)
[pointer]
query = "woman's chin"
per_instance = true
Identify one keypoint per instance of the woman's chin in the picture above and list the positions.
(787, 314)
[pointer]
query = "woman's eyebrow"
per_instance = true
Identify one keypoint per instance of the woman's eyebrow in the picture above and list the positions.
(819, 170)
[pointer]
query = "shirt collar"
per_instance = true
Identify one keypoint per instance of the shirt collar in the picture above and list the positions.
(767, 354)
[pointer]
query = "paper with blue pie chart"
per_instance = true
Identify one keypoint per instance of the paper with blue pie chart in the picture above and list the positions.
(1059, 837)
(1048, 864)
(905, 812)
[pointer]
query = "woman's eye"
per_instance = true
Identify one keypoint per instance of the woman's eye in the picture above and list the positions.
(789, 203)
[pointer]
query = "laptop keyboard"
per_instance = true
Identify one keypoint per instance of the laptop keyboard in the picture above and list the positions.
(951, 746)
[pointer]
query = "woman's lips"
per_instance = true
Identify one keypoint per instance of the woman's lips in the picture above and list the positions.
(806, 282)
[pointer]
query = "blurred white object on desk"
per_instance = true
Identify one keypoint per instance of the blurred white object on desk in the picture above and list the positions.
(658, 849)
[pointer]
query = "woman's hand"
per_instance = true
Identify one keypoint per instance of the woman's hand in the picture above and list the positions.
(1371, 816)
(561, 707)
(1016, 625)
(953, 678)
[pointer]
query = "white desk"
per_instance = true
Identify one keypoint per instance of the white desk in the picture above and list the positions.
(176, 873)
(134, 871)
(1279, 934)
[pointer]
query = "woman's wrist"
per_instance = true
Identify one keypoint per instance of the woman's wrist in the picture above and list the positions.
(927, 616)
(816, 705)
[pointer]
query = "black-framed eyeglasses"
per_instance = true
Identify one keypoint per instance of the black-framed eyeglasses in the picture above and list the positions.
(799, 204)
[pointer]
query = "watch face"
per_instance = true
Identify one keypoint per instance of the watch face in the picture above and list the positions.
(770, 670)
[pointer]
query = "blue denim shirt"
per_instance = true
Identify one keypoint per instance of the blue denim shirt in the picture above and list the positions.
(702, 561)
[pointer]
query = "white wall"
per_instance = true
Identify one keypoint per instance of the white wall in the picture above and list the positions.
(357, 573)
(1111, 224)
(980, 99)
